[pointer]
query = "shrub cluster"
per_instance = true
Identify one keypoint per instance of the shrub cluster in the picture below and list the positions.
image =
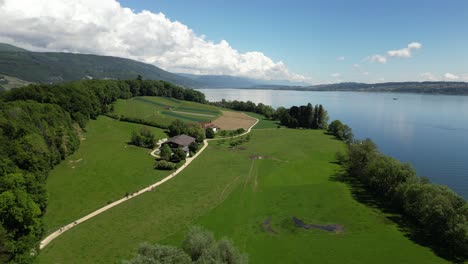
(143, 138)
(341, 131)
(199, 246)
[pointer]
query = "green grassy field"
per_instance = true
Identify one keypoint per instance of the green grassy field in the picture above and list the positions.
(263, 123)
(165, 110)
(232, 194)
(103, 169)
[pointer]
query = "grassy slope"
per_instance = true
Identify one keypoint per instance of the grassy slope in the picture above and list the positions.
(11, 82)
(108, 169)
(45, 67)
(155, 109)
(232, 195)
(263, 123)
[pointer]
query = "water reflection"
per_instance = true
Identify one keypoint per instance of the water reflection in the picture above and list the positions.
(429, 131)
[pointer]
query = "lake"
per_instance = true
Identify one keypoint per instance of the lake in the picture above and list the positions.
(428, 131)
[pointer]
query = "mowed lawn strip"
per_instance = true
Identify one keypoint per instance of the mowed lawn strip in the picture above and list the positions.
(103, 169)
(232, 193)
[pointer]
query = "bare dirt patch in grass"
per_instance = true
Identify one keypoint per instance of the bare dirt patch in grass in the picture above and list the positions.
(267, 226)
(234, 120)
(329, 228)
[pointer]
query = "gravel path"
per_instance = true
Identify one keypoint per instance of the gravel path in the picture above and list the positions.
(189, 160)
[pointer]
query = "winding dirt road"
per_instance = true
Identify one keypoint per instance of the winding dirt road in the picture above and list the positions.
(189, 160)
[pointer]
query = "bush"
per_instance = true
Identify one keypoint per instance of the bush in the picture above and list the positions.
(164, 165)
(194, 147)
(165, 152)
(143, 138)
(179, 155)
(199, 246)
(209, 132)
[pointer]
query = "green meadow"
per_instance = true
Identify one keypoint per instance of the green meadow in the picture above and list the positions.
(165, 110)
(277, 175)
(103, 169)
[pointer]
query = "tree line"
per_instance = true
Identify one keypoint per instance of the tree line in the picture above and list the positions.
(304, 116)
(437, 216)
(40, 125)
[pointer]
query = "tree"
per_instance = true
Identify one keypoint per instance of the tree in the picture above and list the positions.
(197, 132)
(209, 132)
(178, 155)
(177, 127)
(193, 147)
(322, 118)
(143, 138)
(165, 152)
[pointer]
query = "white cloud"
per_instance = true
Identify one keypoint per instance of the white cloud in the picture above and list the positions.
(340, 58)
(451, 77)
(105, 27)
(378, 58)
(428, 76)
(356, 66)
(365, 73)
(400, 53)
(335, 75)
(405, 52)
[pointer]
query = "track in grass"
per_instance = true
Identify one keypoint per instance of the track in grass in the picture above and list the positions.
(302, 187)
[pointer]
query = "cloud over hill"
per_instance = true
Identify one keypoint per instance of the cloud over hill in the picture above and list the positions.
(105, 27)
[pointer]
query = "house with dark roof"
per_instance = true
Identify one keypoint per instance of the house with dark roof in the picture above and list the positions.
(181, 141)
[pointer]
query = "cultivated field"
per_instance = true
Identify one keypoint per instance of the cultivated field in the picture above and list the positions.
(165, 110)
(234, 120)
(250, 194)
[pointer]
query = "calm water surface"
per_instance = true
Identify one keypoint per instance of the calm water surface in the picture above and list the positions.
(429, 131)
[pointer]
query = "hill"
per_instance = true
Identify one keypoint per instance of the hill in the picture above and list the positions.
(453, 88)
(55, 67)
(7, 82)
(228, 81)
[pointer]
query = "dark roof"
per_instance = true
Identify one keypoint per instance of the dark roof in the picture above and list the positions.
(181, 140)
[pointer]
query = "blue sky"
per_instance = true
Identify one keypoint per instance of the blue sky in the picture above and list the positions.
(312, 41)
(309, 36)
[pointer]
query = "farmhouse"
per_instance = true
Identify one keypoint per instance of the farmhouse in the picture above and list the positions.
(181, 141)
(209, 124)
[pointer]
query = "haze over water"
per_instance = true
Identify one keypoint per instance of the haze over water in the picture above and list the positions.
(428, 131)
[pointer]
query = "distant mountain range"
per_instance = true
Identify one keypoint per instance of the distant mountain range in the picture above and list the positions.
(21, 67)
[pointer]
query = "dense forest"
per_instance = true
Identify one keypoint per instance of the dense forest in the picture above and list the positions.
(432, 214)
(40, 125)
